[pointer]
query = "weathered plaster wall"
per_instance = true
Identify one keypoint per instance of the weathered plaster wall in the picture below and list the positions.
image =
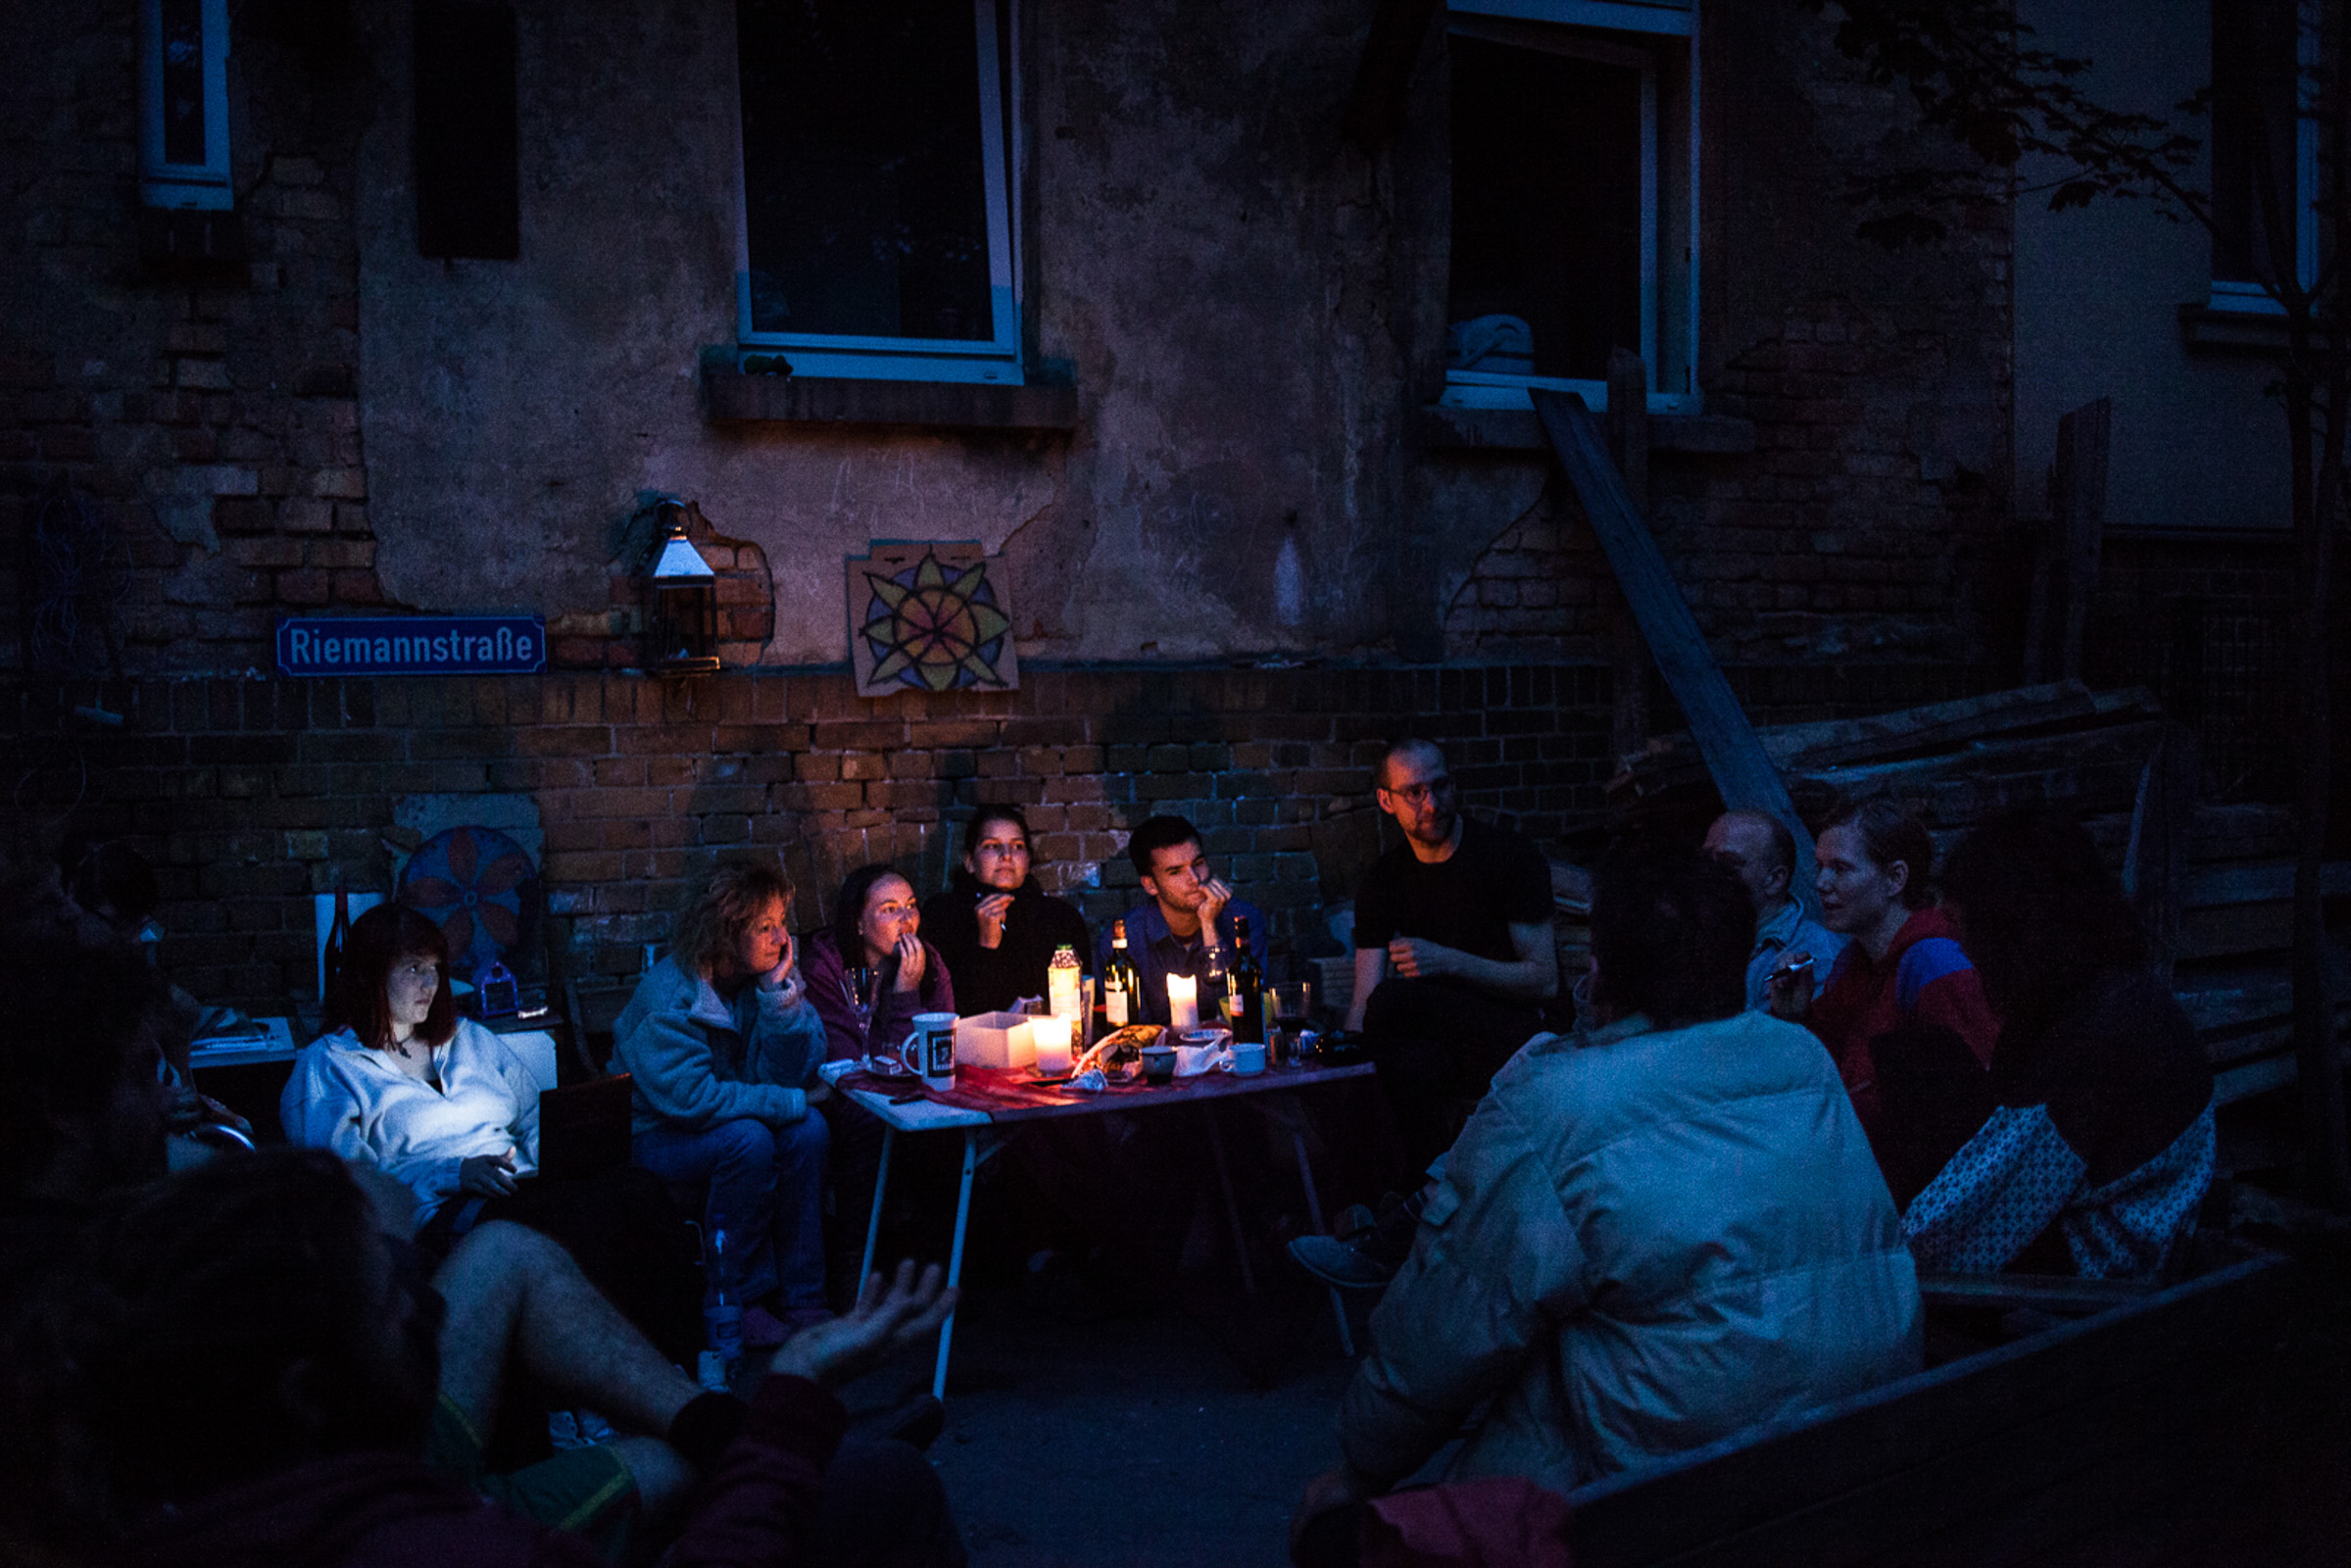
(1209, 258)
(2196, 443)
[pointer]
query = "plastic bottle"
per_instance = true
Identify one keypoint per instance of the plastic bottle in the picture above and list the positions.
(1064, 981)
(723, 1317)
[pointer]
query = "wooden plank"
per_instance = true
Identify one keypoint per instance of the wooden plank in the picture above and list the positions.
(1741, 772)
(1745, 1482)
(2260, 882)
(2235, 930)
(1375, 104)
(2167, 844)
(2047, 1293)
(1672, 760)
(1628, 428)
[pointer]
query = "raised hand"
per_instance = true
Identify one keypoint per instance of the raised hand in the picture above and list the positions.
(888, 1318)
(1214, 895)
(992, 912)
(909, 962)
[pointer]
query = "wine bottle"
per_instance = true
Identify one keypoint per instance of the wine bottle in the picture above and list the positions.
(1245, 995)
(1122, 988)
(330, 961)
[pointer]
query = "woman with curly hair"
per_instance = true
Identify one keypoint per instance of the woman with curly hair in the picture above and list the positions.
(722, 1047)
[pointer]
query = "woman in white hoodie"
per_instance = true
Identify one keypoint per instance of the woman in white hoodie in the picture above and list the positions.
(723, 1047)
(439, 1103)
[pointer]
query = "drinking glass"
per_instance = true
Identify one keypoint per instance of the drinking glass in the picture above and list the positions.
(1292, 1008)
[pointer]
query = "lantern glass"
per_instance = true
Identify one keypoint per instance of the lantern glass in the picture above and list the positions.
(681, 607)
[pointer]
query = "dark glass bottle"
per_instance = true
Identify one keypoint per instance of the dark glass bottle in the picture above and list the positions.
(1245, 993)
(1122, 988)
(330, 963)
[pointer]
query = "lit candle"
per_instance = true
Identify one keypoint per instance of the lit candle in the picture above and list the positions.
(1183, 1003)
(1052, 1038)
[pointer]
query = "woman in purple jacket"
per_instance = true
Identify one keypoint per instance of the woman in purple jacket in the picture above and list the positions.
(876, 926)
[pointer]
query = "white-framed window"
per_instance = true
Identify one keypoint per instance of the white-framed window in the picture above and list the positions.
(2264, 64)
(879, 163)
(183, 104)
(1575, 145)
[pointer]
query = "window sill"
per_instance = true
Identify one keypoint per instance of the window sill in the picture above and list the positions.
(733, 397)
(2232, 332)
(1442, 428)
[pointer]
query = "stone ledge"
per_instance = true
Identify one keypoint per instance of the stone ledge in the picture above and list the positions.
(733, 397)
(2232, 332)
(1445, 428)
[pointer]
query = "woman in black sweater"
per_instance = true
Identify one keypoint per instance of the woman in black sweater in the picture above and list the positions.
(994, 925)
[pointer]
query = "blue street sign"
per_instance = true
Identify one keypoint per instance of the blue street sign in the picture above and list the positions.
(412, 645)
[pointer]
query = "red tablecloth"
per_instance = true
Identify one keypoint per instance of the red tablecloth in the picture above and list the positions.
(1013, 1093)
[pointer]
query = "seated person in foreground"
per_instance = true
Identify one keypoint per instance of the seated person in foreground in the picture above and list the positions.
(2088, 1147)
(1453, 950)
(872, 971)
(997, 929)
(1764, 851)
(1653, 1233)
(1903, 971)
(440, 1104)
(245, 1366)
(1189, 914)
(722, 1047)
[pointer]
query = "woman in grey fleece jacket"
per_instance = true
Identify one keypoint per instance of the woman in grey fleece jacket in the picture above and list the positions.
(722, 1047)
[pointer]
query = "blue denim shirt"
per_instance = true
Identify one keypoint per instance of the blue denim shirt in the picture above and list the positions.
(1158, 953)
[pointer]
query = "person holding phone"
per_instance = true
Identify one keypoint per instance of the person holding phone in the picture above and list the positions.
(438, 1103)
(722, 1047)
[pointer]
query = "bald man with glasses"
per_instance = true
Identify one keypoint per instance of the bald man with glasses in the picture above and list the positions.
(1454, 951)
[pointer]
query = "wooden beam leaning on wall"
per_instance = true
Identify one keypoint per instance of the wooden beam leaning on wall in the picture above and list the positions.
(1735, 757)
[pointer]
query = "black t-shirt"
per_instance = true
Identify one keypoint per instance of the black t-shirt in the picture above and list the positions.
(1468, 901)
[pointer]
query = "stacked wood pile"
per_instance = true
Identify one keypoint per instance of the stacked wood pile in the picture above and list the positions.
(2215, 882)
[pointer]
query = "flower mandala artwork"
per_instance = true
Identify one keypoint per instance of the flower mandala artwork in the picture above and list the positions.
(478, 885)
(929, 619)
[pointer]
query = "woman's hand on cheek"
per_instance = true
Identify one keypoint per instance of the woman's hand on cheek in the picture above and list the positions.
(909, 962)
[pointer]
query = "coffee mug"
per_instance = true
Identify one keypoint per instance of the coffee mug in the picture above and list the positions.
(1248, 1058)
(1158, 1063)
(931, 1049)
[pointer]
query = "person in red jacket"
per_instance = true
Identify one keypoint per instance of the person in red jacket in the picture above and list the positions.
(1903, 971)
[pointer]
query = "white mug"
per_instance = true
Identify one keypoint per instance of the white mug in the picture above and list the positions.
(931, 1049)
(1249, 1059)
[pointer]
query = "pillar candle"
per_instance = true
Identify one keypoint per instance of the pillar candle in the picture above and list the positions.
(1052, 1038)
(1183, 1003)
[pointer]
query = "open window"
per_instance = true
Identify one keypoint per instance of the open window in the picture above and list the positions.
(1574, 199)
(877, 188)
(183, 104)
(2264, 151)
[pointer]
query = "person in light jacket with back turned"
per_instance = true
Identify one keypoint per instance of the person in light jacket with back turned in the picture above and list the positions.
(1650, 1235)
(723, 1047)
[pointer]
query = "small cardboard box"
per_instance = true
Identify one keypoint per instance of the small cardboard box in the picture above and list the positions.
(994, 1039)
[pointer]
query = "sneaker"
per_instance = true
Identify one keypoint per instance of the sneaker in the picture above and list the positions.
(1353, 1221)
(762, 1331)
(1337, 1262)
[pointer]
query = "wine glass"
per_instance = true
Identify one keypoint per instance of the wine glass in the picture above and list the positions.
(1293, 1006)
(857, 985)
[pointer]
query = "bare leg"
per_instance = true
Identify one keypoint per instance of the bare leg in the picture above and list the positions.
(515, 1295)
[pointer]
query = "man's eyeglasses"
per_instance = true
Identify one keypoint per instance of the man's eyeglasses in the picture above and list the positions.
(1422, 794)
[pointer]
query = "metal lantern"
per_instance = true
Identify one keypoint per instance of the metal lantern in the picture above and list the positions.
(681, 602)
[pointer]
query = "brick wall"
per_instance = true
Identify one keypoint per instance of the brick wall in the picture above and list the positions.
(188, 448)
(251, 794)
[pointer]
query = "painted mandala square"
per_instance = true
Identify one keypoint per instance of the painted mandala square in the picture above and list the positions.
(930, 617)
